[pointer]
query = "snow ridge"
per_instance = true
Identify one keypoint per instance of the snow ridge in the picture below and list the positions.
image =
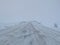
(29, 33)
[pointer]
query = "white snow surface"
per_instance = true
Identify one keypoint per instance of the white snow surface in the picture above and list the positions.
(29, 33)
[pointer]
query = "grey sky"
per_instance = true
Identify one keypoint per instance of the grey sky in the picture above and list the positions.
(45, 11)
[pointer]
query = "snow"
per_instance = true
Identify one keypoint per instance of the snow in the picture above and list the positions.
(29, 33)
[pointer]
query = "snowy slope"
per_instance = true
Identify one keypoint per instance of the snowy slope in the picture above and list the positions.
(29, 33)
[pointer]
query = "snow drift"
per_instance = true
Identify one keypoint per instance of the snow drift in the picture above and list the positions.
(29, 33)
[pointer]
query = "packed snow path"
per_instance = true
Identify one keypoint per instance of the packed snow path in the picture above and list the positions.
(31, 33)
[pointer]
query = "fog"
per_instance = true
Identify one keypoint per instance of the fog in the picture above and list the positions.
(44, 11)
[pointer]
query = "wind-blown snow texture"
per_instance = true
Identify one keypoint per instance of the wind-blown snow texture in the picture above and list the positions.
(29, 33)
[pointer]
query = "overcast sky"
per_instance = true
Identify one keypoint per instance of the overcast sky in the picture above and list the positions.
(45, 11)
